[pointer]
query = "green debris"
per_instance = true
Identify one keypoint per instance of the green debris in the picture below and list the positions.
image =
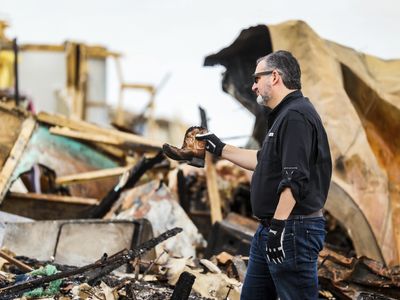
(53, 287)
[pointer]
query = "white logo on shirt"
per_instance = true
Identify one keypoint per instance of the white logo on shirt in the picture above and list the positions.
(271, 134)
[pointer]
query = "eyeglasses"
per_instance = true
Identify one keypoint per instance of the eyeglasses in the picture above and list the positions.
(257, 76)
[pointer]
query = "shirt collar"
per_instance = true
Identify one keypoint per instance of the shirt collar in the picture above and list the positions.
(285, 101)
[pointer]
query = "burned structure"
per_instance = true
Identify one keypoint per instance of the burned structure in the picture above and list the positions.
(110, 204)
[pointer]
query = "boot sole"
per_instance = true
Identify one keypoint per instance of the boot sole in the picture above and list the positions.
(196, 162)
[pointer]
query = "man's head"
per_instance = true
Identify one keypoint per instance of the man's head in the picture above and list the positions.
(276, 75)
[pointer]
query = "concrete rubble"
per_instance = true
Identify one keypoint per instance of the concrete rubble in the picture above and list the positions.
(93, 212)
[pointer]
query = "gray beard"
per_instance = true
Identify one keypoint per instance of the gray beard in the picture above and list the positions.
(261, 100)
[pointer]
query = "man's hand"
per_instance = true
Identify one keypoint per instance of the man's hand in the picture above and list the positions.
(213, 143)
(275, 252)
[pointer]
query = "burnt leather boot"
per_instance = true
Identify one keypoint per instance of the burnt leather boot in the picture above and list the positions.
(192, 151)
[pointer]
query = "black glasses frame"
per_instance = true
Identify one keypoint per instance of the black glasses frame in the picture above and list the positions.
(256, 76)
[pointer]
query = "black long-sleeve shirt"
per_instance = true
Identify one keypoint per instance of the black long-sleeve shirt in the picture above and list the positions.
(295, 154)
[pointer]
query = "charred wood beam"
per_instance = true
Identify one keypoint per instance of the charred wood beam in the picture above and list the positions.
(183, 286)
(183, 192)
(104, 265)
(127, 181)
(203, 118)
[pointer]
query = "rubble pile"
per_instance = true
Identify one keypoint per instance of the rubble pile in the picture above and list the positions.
(358, 278)
(102, 246)
(90, 203)
(88, 281)
(88, 212)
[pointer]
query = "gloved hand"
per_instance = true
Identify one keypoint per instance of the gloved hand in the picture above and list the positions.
(275, 251)
(213, 143)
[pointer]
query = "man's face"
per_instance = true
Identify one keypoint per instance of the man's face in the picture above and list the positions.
(262, 85)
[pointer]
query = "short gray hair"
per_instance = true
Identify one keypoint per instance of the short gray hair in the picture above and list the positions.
(287, 65)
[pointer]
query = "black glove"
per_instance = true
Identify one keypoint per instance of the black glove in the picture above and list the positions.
(213, 143)
(275, 252)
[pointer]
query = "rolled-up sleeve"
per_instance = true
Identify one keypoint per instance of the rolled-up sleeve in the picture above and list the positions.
(295, 146)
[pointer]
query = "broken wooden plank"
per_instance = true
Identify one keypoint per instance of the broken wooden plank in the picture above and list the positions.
(8, 105)
(93, 175)
(43, 209)
(25, 134)
(52, 198)
(111, 150)
(212, 189)
(148, 87)
(101, 174)
(82, 126)
(86, 136)
(47, 206)
(10, 124)
(63, 121)
(23, 267)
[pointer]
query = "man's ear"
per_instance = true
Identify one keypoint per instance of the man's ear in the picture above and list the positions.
(275, 77)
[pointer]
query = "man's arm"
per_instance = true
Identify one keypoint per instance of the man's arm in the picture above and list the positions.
(244, 158)
(275, 250)
(285, 205)
(296, 148)
(295, 153)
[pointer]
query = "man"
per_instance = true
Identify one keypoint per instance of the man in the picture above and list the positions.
(289, 186)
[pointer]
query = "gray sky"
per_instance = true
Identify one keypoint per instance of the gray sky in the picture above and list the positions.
(162, 36)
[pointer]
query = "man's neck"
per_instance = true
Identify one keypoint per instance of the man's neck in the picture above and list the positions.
(279, 97)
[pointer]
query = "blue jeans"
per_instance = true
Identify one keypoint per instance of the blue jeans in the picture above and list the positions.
(297, 276)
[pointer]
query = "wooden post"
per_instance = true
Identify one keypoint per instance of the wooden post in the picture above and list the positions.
(212, 188)
(27, 129)
(119, 118)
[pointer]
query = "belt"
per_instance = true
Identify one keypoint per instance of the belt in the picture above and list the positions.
(266, 222)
